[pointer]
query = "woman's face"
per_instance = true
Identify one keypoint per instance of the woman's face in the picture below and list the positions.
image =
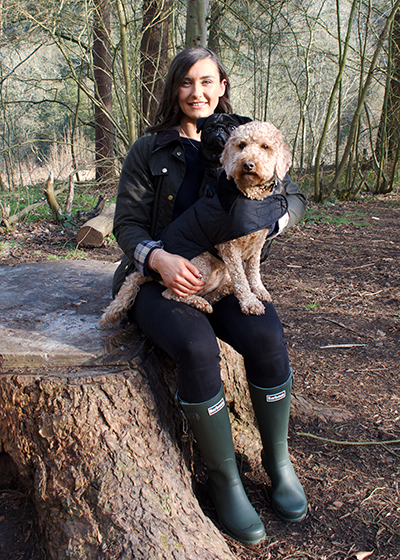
(199, 93)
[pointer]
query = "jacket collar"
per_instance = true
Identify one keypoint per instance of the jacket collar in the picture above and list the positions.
(167, 136)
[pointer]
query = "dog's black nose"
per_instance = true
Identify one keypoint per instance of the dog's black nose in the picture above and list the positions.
(248, 165)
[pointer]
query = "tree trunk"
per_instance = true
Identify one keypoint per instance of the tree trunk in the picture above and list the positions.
(93, 232)
(215, 27)
(196, 23)
(105, 171)
(387, 142)
(154, 56)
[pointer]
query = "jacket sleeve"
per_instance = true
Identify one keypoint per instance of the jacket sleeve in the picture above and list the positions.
(297, 202)
(136, 193)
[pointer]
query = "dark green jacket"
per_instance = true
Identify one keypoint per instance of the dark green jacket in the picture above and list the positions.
(150, 179)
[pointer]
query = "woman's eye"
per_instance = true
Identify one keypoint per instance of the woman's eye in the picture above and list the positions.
(185, 83)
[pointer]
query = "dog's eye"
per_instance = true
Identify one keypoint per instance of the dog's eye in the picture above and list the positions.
(232, 127)
(242, 145)
(264, 146)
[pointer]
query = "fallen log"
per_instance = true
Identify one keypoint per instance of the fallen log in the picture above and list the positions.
(94, 231)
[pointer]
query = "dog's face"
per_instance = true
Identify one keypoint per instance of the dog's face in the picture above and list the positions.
(254, 156)
(215, 131)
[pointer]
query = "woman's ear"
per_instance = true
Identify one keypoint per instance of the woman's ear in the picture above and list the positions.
(222, 87)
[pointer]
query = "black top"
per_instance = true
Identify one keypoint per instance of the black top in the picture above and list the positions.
(189, 190)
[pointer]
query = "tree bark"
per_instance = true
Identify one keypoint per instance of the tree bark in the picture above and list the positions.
(196, 23)
(154, 56)
(217, 10)
(101, 449)
(104, 132)
(93, 232)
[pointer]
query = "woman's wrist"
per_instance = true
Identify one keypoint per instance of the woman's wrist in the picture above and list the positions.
(151, 263)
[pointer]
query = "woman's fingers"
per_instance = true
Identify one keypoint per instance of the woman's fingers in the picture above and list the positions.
(178, 273)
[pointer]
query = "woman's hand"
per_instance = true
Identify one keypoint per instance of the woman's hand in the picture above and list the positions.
(178, 273)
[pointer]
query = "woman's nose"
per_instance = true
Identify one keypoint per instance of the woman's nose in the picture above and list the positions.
(197, 89)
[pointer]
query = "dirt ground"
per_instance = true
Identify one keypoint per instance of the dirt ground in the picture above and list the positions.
(335, 281)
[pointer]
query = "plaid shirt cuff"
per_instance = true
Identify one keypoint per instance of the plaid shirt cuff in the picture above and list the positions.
(142, 254)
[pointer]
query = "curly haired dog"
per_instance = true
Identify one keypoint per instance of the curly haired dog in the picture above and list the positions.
(256, 157)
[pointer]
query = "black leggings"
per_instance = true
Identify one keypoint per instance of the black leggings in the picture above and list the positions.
(189, 337)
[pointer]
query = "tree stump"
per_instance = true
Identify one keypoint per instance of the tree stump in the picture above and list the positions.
(100, 446)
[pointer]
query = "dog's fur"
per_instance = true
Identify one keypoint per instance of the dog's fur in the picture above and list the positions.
(254, 156)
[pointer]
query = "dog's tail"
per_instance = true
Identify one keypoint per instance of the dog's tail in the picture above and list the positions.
(125, 298)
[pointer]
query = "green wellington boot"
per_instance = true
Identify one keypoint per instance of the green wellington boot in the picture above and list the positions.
(212, 429)
(271, 407)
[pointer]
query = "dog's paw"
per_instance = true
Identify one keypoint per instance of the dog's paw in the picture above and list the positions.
(252, 306)
(263, 294)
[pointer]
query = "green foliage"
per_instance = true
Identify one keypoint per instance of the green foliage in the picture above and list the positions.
(76, 254)
(335, 215)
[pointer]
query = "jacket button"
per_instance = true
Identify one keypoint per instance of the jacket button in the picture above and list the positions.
(178, 153)
(164, 170)
(170, 197)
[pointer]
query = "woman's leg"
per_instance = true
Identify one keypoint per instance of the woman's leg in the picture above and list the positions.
(258, 338)
(187, 336)
(261, 342)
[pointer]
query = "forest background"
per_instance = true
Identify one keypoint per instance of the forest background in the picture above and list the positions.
(80, 82)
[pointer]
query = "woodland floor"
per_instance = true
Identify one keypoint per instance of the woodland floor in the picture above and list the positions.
(335, 281)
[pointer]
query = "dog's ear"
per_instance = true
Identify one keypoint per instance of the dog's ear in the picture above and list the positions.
(284, 158)
(241, 120)
(200, 122)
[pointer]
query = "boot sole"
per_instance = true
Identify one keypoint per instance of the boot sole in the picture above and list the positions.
(247, 542)
(236, 538)
(290, 519)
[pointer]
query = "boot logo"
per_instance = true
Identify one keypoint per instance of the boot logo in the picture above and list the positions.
(216, 408)
(276, 397)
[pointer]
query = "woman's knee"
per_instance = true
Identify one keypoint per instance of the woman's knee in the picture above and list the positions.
(199, 351)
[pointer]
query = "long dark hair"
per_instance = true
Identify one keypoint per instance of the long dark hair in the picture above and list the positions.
(169, 112)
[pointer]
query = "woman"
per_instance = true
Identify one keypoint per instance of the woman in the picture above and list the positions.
(161, 177)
